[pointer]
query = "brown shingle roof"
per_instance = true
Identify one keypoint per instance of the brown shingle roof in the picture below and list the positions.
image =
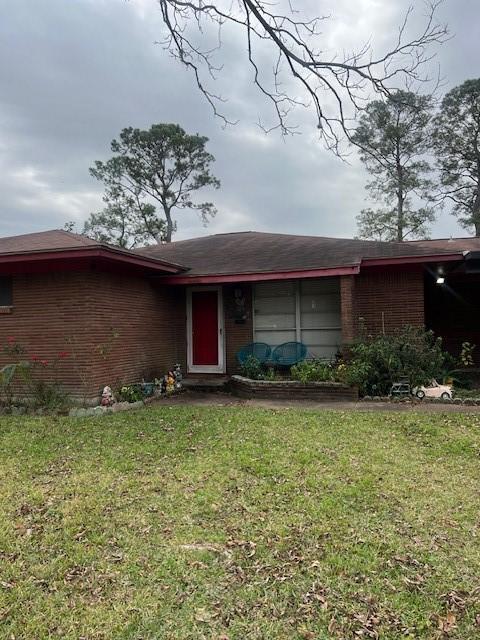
(255, 252)
(450, 244)
(58, 241)
(245, 252)
(45, 241)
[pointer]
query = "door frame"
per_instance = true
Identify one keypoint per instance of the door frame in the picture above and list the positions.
(220, 367)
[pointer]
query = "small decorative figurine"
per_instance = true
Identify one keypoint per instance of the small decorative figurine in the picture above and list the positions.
(170, 381)
(177, 373)
(107, 397)
(434, 390)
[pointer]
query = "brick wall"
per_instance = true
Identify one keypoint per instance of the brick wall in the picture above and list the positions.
(347, 303)
(80, 312)
(292, 390)
(149, 320)
(236, 334)
(388, 299)
(46, 310)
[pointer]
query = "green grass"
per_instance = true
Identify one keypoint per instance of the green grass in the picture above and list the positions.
(240, 523)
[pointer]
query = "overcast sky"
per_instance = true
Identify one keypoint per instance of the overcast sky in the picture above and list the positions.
(73, 73)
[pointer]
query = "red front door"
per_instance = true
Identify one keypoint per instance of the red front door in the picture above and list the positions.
(204, 328)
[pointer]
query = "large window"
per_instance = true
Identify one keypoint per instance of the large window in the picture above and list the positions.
(6, 297)
(305, 311)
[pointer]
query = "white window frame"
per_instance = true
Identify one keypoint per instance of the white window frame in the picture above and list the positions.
(220, 367)
(298, 317)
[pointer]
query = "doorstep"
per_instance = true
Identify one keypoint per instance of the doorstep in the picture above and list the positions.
(205, 382)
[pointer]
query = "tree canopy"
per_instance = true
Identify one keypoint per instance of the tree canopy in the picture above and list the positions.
(160, 167)
(456, 140)
(393, 137)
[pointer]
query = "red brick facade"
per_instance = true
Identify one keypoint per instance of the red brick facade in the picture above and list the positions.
(149, 321)
(380, 301)
(347, 305)
(120, 328)
(116, 328)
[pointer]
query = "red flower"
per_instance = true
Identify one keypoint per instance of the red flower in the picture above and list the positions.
(11, 339)
(63, 354)
(44, 363)
(34, 358)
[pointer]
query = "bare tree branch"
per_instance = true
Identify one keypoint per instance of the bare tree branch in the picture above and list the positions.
(334, 85)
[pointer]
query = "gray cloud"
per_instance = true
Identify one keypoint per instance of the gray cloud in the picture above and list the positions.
(73, 74)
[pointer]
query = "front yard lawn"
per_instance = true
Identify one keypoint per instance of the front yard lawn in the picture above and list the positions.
(239, 523)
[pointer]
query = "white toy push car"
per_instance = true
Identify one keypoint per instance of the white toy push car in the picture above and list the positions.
(434, 390)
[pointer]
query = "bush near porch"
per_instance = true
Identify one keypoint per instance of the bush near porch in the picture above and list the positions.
(373, 363)
(194, 522)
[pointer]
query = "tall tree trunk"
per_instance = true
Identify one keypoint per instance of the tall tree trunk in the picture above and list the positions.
(400, 223)
(168, 216)
(400, 199)
(476, 211)
(476, 202)
(400, 194)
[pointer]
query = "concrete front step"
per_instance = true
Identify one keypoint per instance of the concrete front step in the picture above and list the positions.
(206, 383)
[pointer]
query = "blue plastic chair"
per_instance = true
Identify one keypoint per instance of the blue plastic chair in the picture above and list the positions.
(289, 353)
(259, 350)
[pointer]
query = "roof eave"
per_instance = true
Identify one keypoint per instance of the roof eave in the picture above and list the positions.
(352, 269)
(100, 251)
(261, 276)
(399, 260)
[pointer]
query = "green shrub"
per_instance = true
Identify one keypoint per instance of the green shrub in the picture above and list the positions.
(271, 375)
(48, 396)
(314, 370)
(411, 354)
(466, 354)
(252, 369)
(130, 393)
(32, 377)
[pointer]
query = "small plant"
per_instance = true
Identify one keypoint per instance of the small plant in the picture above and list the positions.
(28, 372)
(252, 369)
(271, 375)
(314, 370)
(466, 354)
(9, 372)
(48, 396)
(130, 393)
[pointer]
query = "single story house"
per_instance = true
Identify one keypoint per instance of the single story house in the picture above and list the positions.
(123, 315)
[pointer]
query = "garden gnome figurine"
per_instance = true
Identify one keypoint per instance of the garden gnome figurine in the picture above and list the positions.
(177, 373)
(107, 397)
(170, 382)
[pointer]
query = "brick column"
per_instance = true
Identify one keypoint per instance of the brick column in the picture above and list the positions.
(347, 308)
(236, 334)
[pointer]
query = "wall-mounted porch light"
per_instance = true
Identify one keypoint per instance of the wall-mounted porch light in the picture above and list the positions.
(440, 280)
